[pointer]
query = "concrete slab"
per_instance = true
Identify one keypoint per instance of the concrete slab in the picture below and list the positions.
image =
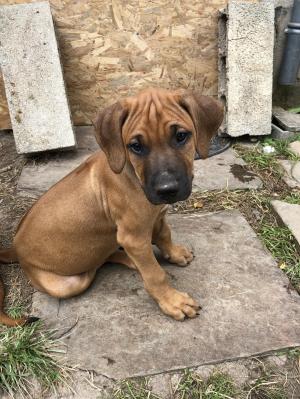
(118, 331)
(287, 120)
(33, 79)
(38, 175)
(289, 216)
(288, 178)
(246, 63)
(295, 147)
(222, 171)
(296, 172)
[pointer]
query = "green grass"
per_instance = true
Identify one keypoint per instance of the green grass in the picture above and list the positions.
(217, 386)
(279, 241)
(282, 147)
(293, 198)
(134, 389)
(17, 310)
(26, 354)
(256, 158)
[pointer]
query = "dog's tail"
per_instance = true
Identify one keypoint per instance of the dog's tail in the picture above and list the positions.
(9, 255)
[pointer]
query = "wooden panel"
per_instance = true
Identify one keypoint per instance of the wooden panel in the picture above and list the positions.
(114, 48)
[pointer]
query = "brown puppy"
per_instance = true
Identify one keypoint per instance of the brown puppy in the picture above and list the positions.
(117, 198)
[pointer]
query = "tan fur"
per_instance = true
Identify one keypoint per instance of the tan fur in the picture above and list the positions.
(80, 223)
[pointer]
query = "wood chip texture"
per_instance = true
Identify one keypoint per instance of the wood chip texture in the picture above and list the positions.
(111, 49)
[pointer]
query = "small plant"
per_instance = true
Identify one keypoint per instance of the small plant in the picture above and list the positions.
(293, 198)
(257, 159)
(134, 389)
(217, 386)
(267, 387)
(29, 353)
(279, 241)
(282, 147)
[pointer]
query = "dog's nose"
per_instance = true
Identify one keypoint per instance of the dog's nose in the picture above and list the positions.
(167, 186)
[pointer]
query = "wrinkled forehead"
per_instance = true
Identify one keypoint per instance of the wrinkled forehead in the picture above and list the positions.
(155, 110)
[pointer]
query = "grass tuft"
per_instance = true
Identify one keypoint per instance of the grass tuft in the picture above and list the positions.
(134, 389)
(29, 354)
(217, 386)
(267, 387)
(282, 147)
(279, 241)
(293, 198)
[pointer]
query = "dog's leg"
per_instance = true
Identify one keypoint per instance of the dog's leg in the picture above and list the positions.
(174, 253)
(172, 302)
(59, 286)
(122, 258)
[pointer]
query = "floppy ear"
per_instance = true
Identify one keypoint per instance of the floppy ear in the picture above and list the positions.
(207, 115)
(108, 129)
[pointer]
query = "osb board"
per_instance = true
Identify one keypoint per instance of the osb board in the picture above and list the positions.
(114, 48)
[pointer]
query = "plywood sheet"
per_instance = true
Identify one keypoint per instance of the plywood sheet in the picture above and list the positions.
(114, 48)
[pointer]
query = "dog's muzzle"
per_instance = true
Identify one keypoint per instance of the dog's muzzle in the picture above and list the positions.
(167, 188)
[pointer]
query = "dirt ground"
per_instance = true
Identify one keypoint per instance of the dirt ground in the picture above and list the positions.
(12, 208)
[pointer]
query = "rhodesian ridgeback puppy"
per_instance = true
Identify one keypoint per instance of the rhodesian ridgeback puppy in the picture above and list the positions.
(117, 198)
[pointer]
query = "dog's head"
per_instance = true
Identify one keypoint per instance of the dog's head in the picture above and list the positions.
(158, 133)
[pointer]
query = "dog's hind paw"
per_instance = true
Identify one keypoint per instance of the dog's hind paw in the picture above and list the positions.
(179, 255)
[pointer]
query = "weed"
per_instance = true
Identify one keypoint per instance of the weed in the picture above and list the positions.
(134, 389)
(16, 310)
(294, 353)
(282, 147)
(263, 162)
(279, 241)
(29, 353)
(267, 387)
(217, 386)
(293, 198)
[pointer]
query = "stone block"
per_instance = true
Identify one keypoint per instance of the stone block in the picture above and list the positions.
(246, 62)
(117, 330)
(33, 79)
(289, 216)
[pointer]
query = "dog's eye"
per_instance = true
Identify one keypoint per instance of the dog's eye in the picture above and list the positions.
(136, 147)
(181, 136)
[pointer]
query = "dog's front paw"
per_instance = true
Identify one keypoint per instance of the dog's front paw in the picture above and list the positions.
(180, 255)
(178, 304)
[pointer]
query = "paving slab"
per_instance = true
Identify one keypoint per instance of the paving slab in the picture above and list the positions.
(295, 147)
(246, 66)
(39, 174)
(224, 171)
(33, 79)
(118, 331)
(287, 120)
(296, 172)
(288, 177)
(289, 216)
